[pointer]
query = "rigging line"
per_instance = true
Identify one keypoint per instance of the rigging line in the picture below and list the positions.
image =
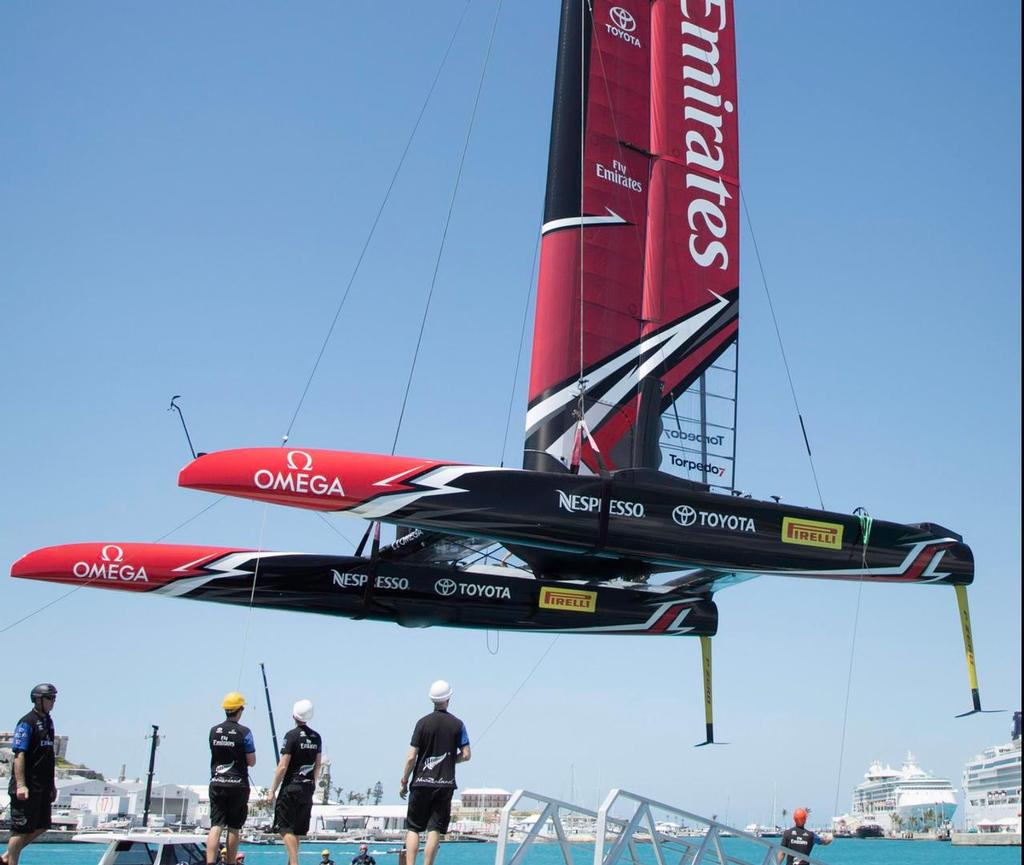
(849, 674)
(192, 518)
(252, 593)
(11, 625)
(782, 348)
(447, 223)
(335, 529)
(522, 337)
(376, 219)
(583, 144)
(522, 685)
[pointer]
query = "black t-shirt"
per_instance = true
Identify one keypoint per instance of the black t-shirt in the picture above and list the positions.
(800, 839)
(439, 737)
(364, 859)
(303, 745)
(230, 743)
(33, 737)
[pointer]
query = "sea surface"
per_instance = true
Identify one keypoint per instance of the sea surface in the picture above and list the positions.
(844, 851)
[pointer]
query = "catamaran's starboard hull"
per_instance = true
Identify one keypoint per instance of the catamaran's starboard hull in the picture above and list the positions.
(564, 525)
(414, 595)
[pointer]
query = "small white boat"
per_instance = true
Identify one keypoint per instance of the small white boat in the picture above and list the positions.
(126, 848)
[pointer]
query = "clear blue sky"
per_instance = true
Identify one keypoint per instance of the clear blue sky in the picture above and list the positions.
(184, 190)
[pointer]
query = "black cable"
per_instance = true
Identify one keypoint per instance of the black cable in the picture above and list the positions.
(447, 224)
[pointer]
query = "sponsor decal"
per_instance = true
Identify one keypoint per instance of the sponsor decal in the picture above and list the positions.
(694, 466)
(619, 175)
(703, 110)
(111, 566)
(578, 504)
(446, 588)
(685, 516)
(697, 438)
(621, 25)
(357, 581)
(573, 600)
(811, 533)
(299, 479)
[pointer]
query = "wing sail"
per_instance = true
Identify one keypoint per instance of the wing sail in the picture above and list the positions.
(637, 294)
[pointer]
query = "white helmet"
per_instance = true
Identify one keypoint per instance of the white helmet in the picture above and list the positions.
(440, 691)
(303, 711)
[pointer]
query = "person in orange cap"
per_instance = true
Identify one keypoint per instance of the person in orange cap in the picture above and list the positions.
(801, 839)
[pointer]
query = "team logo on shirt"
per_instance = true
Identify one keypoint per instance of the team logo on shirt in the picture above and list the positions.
(433, 762)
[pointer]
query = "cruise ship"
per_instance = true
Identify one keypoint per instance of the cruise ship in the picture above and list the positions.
(903, 800)
(992, 787)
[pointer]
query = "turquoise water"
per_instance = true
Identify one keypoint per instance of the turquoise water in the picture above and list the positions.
(842, 852)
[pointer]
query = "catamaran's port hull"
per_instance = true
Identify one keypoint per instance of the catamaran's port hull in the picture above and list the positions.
(411, 594)
(564, 525)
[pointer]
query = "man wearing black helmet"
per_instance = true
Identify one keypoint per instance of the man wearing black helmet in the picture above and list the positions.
(32, 786)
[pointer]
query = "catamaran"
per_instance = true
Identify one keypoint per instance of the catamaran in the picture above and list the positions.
(625, 518)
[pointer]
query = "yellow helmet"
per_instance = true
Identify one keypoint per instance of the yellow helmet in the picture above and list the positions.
(325, 852)
(233, 702)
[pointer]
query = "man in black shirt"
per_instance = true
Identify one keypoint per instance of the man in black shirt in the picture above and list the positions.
(801, 839)
(364, 857)
(438, 742)
(32, 787)
(296, 775)
(232, 752)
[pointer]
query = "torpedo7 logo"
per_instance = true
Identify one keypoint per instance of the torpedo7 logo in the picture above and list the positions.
(299, 479)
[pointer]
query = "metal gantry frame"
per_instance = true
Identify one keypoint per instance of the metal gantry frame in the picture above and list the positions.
(619, 838)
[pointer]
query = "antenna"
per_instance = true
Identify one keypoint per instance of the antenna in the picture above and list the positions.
(270, 709)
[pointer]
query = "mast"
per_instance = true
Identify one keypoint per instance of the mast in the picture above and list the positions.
(638, 288)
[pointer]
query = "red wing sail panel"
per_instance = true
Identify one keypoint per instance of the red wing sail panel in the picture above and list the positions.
(639, 256)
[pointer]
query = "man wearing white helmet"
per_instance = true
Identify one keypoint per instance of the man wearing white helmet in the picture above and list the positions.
(438, 742)
(296, 776)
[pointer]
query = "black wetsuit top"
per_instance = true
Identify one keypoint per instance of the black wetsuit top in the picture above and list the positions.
(364, 859)
(801, 839)
(33, 737)
(230, 743)
(439, 737)
(303, 745)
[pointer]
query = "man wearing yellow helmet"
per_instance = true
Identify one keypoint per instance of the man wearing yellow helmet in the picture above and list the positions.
(325, 858)
(232, 752)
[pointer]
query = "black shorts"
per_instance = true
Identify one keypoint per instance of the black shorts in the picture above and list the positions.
(229, 806)
(430, 809)
(31, 814)
(291, 814)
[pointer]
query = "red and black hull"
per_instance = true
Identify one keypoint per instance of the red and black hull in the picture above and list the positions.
(629, 524)
(382, 589)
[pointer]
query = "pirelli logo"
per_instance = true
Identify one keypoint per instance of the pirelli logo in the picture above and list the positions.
(811, 533)
(573, 600)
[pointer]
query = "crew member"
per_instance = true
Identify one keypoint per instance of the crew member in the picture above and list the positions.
(364, 857)
(296, 776)
(32, 788)
(232, 753)
(325, 857)
(439, 741)
(801, 839)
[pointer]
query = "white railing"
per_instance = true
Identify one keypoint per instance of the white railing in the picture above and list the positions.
(619, 837)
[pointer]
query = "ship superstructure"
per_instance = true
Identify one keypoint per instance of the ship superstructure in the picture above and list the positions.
(992, 786)
(905, 799)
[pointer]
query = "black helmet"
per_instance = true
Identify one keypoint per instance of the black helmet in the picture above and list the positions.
(43, 690)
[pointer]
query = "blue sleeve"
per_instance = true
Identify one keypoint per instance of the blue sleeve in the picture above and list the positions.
(250, 745)
(463, 737)
(22, 736)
